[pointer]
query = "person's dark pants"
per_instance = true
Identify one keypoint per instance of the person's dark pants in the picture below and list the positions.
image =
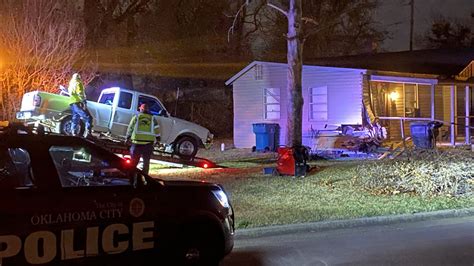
(144, 151)
(79, 112)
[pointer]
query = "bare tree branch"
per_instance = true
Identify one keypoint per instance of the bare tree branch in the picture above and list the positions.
(310, 20)
(285, 13)
(41, 43)
(231, 29)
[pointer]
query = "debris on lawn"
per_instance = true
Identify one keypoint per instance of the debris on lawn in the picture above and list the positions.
(349, 141)
(425, 172)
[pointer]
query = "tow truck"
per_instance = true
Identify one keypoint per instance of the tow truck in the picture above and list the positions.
(66, 201)
(123, 149)
(111, 114)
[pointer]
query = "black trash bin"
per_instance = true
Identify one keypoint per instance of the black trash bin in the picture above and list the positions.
(266, 136)
(424, 133)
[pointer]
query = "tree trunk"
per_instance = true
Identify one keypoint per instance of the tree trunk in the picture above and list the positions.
(294, 83)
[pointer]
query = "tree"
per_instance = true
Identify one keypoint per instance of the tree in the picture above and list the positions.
(104, 17)
(340, 27)
(41, 46)
(111, 32)
(449, 34)
(332, 16)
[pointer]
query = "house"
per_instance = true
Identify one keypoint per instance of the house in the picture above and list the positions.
(396, 87)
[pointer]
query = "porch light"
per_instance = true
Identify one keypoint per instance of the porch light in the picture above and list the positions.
(394, 96)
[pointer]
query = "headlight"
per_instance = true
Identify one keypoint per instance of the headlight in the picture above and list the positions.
(210, 137)
(221, 197)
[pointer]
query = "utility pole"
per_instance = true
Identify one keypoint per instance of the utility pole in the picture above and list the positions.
(412, 22)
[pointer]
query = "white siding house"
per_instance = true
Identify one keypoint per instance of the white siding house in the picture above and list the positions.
(395, 89)
(332, 96)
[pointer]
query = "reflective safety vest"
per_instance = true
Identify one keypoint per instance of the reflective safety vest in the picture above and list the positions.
(143, 129)
(76, 91)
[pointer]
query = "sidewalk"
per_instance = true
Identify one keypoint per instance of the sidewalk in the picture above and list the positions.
(351, 223)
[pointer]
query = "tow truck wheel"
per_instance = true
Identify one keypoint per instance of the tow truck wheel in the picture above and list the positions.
(186, 147)
(65, 127)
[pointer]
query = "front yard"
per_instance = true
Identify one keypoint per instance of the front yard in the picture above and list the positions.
(332, 190)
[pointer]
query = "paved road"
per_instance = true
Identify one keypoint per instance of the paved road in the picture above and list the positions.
(439, 242)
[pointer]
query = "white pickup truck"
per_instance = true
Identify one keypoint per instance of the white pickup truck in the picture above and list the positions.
(111, 116)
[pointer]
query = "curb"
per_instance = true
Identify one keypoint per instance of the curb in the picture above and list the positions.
(351, 223)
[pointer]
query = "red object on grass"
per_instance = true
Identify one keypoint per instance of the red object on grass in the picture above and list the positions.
(286, 161)
(292, 161)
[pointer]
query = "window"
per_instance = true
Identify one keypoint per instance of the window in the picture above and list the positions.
(411, 100)
(15, 168)
(272, 103)
(125, 100)
(81, 166)
(318, 104)
(153, 104)
(107, 98)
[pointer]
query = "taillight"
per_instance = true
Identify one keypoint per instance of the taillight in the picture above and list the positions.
(37, 100)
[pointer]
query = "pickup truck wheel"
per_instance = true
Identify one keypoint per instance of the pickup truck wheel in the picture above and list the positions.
(186, 147)
(65, 127)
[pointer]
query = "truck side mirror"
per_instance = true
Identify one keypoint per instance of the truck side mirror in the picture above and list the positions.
(163, 112)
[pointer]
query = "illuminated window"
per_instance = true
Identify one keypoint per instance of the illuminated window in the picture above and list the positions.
(272, 103)
(318, 104)
(412, 108)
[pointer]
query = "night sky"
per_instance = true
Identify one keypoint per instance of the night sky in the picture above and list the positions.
(394, 16)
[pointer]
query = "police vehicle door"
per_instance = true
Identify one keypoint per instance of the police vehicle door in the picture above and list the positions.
(102, 211)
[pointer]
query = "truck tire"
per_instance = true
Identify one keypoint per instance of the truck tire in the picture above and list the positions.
(200, 245)
(186, 147)
(65, 127)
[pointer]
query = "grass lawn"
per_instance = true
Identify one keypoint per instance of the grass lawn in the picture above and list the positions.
(329, 192)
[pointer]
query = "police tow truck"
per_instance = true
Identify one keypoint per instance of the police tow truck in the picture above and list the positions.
(65, 200)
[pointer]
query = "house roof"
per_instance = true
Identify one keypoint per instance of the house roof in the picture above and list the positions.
(247, 68)
(445, 63)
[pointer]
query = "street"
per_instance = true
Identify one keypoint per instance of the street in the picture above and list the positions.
(438, 242)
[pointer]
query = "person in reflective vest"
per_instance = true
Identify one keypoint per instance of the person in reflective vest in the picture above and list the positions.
(78, 104)
(143, 131)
